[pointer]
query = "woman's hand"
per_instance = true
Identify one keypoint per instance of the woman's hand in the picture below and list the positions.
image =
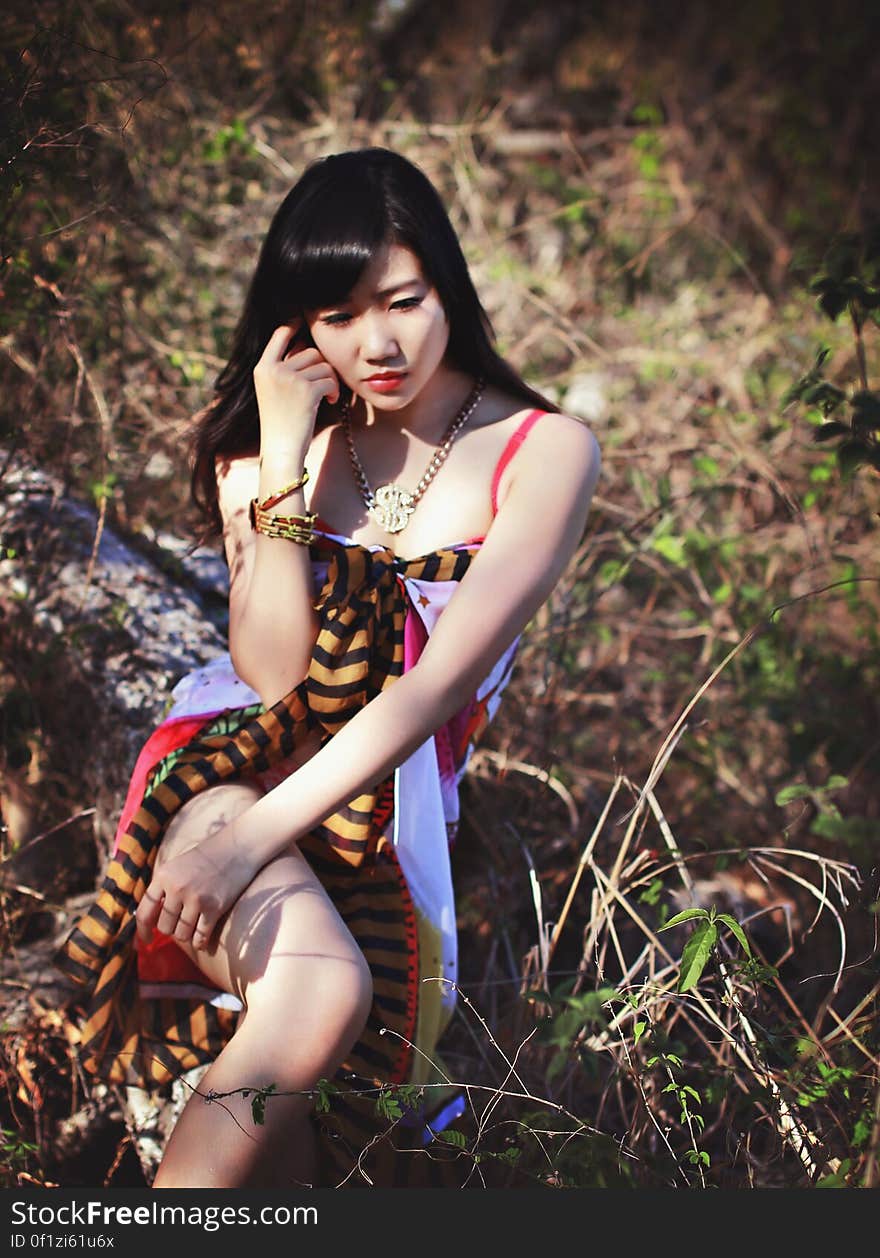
(189, 893)
(290, 380)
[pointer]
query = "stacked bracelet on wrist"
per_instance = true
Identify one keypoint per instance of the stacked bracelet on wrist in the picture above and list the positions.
(274, 499)
(294, 528)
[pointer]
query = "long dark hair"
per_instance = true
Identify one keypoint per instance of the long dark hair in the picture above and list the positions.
(339, 214)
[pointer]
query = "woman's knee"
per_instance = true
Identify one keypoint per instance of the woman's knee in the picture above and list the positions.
(205, 814)
(356, 996)
(319, 986)
(305, 1028)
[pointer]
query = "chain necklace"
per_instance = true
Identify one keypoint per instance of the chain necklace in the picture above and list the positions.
(391, 505)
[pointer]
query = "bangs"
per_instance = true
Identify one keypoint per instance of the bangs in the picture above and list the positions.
(334, 249)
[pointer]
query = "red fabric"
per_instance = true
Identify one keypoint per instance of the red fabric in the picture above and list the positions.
(167, 738)
(509, 451)
(160, 960)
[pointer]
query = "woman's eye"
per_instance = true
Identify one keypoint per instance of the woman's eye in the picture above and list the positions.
(406, 303)
(334, 320)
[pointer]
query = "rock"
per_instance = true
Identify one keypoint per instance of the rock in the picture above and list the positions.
(130, 625)
(119, 631)
(587, 396)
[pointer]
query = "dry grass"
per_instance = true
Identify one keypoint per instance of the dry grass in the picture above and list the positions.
(640, 239)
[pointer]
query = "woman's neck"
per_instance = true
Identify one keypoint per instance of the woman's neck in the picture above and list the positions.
(428, 415)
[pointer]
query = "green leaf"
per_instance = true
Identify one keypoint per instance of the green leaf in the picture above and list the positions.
(790, 793)
(836, 782)
(651, 894)
(795, 392)
(556, 1065)
(834, 428)
(687, 916)
(325, 1090)
(258, 1104)
(696, 953)
(866, 411)
(638, 1032)
(862, 1131)
(841, 258)
(733, 925)
(850, 830)
(453, 1137)
(838, 1178)
(825, 396)
(832, 302)
(851, 455)
(864, 294)
(387, 1105)
(671, 548)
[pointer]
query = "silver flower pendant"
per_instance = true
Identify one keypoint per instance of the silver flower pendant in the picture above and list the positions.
(392, 507)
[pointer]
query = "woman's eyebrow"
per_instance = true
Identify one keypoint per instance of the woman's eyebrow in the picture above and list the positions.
(380, 293)
(393, 288)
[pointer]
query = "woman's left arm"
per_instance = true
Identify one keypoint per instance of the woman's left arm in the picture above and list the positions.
(528, 547)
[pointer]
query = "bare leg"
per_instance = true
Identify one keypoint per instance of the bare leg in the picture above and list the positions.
(285, 951)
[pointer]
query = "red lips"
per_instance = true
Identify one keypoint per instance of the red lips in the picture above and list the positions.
(386, 381)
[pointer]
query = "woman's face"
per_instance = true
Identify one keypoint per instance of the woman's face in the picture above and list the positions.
(390, 336)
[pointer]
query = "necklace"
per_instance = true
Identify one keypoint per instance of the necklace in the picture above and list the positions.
(391, 505)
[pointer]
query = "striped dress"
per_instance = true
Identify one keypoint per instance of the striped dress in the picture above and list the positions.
(149, 1014)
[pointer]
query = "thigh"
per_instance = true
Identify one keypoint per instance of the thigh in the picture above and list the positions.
(194, 823)
(283, 911)
(205, 814)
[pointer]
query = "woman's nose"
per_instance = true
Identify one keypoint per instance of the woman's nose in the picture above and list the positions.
(379, 341)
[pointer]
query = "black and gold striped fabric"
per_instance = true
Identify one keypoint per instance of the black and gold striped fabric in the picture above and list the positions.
(148, 1042)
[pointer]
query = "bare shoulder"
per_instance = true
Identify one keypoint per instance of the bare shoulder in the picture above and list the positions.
(558, 430)
(560, 458)
(238, 479)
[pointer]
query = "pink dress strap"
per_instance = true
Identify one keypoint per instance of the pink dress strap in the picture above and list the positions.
(510, 450)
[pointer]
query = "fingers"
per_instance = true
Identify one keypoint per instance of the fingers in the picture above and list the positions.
(332, 393)
(288, 341)
(169, 917)
(159, 914)
(195, 930)
(282, 341)
(292, 359)
(155, 912)
(324, 375)
(147, 915)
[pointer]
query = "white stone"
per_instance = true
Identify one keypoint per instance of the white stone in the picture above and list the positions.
(587, 396)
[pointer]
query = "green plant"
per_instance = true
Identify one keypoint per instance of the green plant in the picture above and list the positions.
(702, 941)
(16, 1153)
(849, 281)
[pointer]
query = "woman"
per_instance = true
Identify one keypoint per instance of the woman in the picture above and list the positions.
(280, 903)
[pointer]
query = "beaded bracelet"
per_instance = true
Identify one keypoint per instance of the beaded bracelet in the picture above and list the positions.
(274, 499)
(294, 528)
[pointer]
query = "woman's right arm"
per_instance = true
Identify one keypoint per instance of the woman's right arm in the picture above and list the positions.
(272, 621)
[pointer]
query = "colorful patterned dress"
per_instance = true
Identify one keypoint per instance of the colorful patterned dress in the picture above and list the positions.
(384, 860)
